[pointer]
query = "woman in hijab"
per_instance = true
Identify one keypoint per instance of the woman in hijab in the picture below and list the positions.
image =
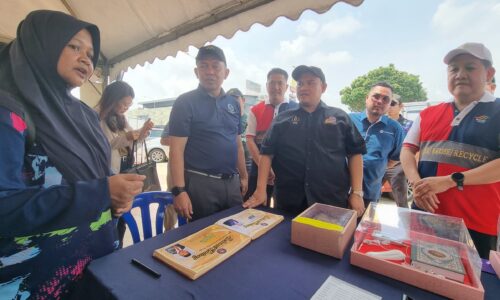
(115, 101)
(57, 198)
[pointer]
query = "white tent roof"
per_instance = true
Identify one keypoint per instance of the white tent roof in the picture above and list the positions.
(137, 31)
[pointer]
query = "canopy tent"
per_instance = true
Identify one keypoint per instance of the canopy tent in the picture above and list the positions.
(137, 31)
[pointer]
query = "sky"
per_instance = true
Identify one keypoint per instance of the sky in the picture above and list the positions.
(345, 42)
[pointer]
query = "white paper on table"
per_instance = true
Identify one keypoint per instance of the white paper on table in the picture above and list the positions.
(334, 288)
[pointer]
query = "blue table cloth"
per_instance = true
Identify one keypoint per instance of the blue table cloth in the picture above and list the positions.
(270, 267)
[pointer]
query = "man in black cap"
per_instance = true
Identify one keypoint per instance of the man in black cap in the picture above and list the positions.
(206, 153)
(244, 123)
(315, 152)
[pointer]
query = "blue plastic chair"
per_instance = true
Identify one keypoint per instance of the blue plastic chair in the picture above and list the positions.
(143, 201)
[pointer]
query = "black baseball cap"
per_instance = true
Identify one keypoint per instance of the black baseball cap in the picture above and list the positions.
(308, 69)
(212, 51)
(235, 92)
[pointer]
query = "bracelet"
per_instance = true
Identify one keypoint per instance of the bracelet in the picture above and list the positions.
(359, 193)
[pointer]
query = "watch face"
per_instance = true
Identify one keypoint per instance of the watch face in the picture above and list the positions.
(457, 177)
(177, 190)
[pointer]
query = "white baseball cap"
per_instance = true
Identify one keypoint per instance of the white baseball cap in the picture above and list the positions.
(477, 50)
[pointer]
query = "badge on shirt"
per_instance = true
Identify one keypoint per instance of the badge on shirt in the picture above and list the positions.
(231, 108)
(331, 120)
(385, 131)
(295, 120)
(481, 119)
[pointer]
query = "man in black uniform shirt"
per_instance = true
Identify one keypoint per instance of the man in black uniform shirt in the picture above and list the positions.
(315, 152)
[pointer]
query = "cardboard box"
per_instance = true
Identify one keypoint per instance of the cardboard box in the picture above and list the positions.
(397, 228)
(324, 228)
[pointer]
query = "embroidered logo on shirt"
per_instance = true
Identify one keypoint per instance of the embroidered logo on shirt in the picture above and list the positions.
(295, 120)
(481, 119)
(331, 120)
(231, 108)
(383, 131)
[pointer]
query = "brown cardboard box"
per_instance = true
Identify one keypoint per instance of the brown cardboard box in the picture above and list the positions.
(324, 228)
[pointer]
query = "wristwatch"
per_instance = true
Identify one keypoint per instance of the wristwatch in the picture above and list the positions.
(459, 179)
(177, 190)
(359, 193)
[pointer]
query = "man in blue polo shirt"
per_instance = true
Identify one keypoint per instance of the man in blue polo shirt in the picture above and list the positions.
(383, 137)
(206, 153)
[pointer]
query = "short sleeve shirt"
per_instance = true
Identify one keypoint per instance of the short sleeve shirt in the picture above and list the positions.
(212, 126)
(165, 133)
(383, 143)
(451, 141)
(310, 153)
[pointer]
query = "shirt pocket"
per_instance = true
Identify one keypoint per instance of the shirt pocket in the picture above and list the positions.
(332, 137)
(381, 143)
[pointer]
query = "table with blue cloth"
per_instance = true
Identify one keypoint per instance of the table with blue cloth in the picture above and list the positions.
(270, 267)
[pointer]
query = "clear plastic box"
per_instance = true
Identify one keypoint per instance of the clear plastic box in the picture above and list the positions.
(433, 252)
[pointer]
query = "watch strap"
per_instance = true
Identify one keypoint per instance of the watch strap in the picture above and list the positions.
(177, 190)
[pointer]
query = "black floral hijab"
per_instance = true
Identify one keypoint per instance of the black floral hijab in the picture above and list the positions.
(66, 128)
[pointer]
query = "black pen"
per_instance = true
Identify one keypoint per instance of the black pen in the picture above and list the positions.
(145, 268)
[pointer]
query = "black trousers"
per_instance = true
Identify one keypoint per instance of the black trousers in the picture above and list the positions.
(484, 243)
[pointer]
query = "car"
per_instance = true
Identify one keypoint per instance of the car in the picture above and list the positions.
(156, 151)
(155, 133)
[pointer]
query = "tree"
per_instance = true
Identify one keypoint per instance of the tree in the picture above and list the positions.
(407, 85)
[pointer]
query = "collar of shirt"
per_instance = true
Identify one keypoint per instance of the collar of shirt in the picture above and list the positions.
(267, 102)
(277, 107)
(320, 106)
(402, 119)
(204, 92)
(382, 119)
(487, 97)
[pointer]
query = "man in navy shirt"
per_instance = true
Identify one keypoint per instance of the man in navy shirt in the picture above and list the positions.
(383, 137)
(315, 152)
(206, 153)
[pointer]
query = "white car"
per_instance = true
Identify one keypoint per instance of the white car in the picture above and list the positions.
(156, 151)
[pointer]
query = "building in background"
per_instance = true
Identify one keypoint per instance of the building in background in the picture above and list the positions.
(157, 110)
(412, 109)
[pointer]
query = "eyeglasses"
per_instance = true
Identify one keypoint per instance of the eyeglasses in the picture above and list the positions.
(394, 103)
(379, 97)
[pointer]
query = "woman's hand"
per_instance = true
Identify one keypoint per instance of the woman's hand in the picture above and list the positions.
(122, 189)
(146, 128)
(133, 135)
(148, 125)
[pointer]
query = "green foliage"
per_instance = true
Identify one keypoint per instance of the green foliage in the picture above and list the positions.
(407, 85)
